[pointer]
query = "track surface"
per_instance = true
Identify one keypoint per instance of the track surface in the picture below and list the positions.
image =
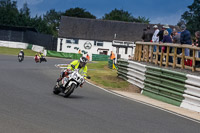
(27, 105)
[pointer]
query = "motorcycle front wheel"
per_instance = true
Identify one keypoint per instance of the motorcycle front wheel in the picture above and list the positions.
(56, 90)
(70, 90)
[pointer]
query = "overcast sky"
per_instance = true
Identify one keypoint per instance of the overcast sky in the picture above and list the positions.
(158, 11)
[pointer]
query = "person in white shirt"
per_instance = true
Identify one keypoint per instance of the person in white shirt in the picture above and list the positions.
(155, 38)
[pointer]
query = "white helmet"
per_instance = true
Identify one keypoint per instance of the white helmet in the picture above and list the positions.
(83, 61)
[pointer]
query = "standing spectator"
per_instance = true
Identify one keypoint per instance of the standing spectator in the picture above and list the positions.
(112, 56)
(88, 57)
(168, 29)
(79, 51)
(176, 39)
(167, 39)
(155, 38)
(160, 33)
(129, 57)
(147, 35)
(185, 38)
(197, 43)
(176, 36)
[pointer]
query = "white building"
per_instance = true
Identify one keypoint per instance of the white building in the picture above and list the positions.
(94, 36)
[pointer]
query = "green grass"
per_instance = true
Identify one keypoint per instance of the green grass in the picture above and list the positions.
(101, 75)
(15, 51)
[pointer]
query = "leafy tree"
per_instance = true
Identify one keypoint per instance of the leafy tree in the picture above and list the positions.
(24, 16)
(8, 13)
(119, 15)
(192, 17)
(53, 20)
(143, 20)
(122, 15)
(79, 12)
(40, 25)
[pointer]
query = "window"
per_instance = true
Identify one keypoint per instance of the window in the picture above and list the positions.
(126, 50)
(98, 43)
(72, 41)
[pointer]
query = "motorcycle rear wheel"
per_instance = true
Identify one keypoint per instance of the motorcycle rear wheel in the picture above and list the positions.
(70, 90)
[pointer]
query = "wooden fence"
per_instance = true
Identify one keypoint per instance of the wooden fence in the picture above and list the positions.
(144, 52)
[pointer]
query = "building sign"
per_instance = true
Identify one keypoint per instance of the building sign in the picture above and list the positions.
(87, 45)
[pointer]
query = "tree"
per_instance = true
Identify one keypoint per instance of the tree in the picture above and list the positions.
(79, 12)
(8, 13)
(53, 20)
(192, 17)
(122, 15)
(119, 15)
(24, 16)
(143, 20)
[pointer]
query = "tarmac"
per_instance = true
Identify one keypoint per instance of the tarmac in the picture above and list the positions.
(159, 104)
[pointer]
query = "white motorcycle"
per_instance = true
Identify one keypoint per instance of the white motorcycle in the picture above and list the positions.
(20, 57)
(68, 81)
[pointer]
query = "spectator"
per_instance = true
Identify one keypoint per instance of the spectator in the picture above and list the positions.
(79, 51)
(176, 39)
(168, 29)
(155, 38)
(176, 36)
(88, 57)
(167, 39)
(129, 57)
(185, 38)
(160, 33)
(112, 56)
(197, 43)
(147, 35)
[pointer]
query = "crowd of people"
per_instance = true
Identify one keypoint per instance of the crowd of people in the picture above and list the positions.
(169, 35)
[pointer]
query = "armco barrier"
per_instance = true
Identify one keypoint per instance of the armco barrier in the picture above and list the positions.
(63, 55)
(131, 71)
(192, 93)
(165, 85)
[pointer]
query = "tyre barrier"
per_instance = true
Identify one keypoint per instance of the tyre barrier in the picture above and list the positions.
(169, 86)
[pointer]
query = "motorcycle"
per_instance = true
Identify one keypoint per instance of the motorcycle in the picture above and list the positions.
(43, 59)
(68, 81)
(37, 59)
(20, 57)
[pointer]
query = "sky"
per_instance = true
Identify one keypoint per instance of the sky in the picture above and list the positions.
(158, 11)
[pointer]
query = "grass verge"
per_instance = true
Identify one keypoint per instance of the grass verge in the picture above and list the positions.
(107, 78)
(15, 51)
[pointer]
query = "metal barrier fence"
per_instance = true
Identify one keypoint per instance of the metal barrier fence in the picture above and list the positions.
(173, 87)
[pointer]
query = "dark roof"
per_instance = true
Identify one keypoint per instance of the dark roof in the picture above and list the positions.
(17, 28)
(104, 30)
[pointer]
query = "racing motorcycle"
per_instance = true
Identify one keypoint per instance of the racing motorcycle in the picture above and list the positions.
(20, 57)
(68, 81)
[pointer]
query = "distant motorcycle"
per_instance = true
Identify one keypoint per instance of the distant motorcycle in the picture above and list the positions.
(70, 80)
(20, 57)
(42, 59)
(37, 59)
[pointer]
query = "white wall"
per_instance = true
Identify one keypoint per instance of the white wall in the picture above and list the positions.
(11, 44)
(93, 50)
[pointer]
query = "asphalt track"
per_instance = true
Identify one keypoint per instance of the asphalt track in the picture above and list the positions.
(27, 105)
